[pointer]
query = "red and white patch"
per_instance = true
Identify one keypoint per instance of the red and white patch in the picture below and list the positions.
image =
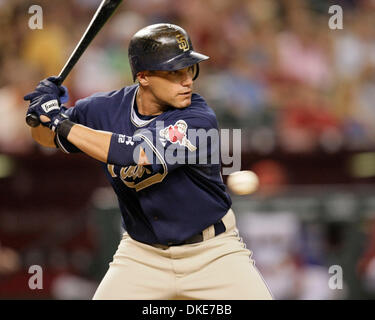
(177, 134)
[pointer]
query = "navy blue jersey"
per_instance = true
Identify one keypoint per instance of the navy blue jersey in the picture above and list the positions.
(163, 202)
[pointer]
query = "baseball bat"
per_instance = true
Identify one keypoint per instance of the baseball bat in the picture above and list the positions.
(102, 14)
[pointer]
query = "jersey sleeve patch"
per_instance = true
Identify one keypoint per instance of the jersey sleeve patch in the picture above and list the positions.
(177, 133)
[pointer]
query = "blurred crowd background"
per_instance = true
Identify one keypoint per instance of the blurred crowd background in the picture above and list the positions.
(302, 94)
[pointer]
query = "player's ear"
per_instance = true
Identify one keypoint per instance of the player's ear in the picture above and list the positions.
(143, 78)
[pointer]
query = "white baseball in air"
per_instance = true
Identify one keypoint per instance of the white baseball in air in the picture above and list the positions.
(243, 182)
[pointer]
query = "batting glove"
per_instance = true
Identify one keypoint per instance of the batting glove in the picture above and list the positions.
(46, 99)
(45, 105)
(48, 86)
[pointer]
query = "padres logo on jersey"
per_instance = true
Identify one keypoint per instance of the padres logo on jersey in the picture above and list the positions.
(183, 44)
(136, 177)
(139, 176)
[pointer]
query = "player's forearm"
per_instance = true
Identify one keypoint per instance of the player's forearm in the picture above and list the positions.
(94, 143)
(97, 144)
(43, 136)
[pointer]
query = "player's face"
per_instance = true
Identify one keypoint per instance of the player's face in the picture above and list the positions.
(173, 88)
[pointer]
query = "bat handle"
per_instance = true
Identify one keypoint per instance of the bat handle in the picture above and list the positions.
(32, 120)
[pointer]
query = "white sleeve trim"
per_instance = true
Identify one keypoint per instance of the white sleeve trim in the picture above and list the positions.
(60, 145)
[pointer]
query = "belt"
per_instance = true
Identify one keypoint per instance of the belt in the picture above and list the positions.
(218, 227)
(212, 231)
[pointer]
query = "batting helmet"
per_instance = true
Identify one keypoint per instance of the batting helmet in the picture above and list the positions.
(162, 46)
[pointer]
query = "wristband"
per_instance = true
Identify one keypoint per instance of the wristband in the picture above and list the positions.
(64, 128)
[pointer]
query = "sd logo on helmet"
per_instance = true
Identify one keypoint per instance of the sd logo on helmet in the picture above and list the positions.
(162, 47)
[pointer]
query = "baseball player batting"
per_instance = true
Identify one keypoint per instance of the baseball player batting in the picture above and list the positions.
(180, 239)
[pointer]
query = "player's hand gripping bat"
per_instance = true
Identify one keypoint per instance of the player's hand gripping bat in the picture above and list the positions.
(102, 14)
